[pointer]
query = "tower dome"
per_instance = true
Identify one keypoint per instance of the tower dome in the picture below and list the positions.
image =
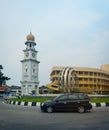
(30, 37)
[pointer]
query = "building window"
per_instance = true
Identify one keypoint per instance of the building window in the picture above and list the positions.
(81, 73)
(85, 85)
(80, 79)
(85, 79)
(85, 73)
(95, 74)
(34, 71)
(35, 86)
(91, 73)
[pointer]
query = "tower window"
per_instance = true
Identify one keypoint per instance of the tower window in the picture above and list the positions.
(26, 70)
(34, 70)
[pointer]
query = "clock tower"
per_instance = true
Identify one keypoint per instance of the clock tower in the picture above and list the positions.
(30, 81)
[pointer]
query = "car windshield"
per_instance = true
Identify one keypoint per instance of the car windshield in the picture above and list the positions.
(56, 98)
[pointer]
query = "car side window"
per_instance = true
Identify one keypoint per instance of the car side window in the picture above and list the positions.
(64, 97)
(83, 96)
(73, 97)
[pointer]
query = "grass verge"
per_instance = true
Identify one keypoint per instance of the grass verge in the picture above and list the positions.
(99, 100)
(42, 99)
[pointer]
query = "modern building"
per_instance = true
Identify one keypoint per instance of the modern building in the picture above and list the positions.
(30, 65)
(15, 89)
(79, 79)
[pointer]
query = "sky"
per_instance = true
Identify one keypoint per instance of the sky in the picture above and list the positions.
(72, 33)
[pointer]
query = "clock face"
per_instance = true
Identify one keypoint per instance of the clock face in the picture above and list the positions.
(33, 55)
(27, 54)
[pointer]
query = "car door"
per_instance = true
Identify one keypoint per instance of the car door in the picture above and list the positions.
(73, 102)
(61, 103)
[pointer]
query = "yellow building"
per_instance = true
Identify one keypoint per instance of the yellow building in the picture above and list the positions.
(79, 79)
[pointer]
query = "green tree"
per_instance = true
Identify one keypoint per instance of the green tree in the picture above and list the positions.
(2, 77)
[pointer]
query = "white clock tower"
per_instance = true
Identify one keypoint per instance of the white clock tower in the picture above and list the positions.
(30, 81)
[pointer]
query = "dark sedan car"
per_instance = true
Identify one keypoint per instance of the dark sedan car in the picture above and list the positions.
(68, 102)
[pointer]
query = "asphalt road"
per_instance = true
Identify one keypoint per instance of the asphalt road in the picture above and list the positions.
(13, 117)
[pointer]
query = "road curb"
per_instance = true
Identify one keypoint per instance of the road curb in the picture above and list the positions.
(23, 103)
(103, 104)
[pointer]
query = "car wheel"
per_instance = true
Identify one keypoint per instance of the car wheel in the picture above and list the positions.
(49, 109)
(81, 109)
